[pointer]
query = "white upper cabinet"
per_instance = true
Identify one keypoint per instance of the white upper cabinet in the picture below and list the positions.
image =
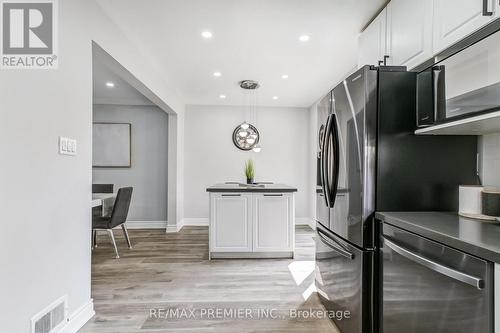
(456, 19)
(372, 42)
(409, 32)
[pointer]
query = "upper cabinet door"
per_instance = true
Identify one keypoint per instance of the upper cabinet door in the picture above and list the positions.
(456, 19)
(409, 27)
(372, 42)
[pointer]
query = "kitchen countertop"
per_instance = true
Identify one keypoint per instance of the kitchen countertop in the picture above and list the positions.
(479, 238)
(276, 188)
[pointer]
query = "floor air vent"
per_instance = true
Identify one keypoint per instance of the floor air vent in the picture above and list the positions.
(51, 318)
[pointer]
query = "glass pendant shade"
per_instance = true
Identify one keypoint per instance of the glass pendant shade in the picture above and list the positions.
(245, 139)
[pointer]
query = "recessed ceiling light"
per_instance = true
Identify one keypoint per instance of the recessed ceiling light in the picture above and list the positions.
(221, 96)
(284, 76)
(304, 38)
(217, 74)
(110, 84)
(275, 97)
(206, 34)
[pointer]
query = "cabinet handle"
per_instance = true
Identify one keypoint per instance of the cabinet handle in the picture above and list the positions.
(437, 267)
(273, 195)
(231, 195)
(486, 12)
(337, 248)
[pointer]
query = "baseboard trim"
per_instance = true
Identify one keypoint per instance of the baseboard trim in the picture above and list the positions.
(191, 222)
(174, 228)
(305, 221)
(79, 318)
(146, 224)
(251, 255)
(195, 221)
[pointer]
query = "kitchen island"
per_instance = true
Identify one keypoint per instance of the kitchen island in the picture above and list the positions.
(251, 221)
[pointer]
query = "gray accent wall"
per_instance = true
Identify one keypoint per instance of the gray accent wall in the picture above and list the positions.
(148, 173)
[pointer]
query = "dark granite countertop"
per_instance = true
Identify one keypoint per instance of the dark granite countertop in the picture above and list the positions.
(264, 188)
(479, 238)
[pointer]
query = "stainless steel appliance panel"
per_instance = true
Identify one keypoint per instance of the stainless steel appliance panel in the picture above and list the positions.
(344, 281)
(322, 210)
(322, 199)
(447, 95)
(429, 287)
(354, 144)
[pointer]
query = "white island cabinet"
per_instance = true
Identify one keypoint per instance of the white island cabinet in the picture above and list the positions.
(252, 222)
(233, 230)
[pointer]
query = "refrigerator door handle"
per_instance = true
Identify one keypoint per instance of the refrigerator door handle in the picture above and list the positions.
(325, 157)
(336, 162)
(437, 267)
(331, 243)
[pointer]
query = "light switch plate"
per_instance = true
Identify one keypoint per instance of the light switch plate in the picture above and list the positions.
(67, 146)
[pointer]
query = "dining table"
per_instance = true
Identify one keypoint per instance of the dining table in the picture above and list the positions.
(104, 200)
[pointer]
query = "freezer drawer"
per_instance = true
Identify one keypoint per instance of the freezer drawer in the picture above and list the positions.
(429, 287)
(344, 281)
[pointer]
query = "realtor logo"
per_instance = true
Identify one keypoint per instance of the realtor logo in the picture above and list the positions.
(29, 34)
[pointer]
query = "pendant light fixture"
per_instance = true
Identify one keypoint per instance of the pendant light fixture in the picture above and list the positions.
(246, 136)
(256, 148)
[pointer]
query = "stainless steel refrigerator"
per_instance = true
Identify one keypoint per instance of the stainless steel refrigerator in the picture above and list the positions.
(370, 160)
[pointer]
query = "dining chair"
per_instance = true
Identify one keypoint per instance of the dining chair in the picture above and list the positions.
(117, 217)
(102, 188)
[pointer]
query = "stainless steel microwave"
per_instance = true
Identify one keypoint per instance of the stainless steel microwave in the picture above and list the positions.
(463, 85)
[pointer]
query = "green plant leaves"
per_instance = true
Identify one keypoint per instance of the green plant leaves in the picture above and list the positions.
(249, 169)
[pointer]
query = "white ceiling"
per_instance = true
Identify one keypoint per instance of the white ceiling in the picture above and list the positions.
(252, 39)
(122, 93)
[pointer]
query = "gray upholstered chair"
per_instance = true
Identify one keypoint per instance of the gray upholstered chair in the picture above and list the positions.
(118, 217)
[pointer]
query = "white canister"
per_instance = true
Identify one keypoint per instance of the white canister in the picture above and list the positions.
(469, 201)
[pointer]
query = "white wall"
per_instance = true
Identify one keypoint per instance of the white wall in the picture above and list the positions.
(148, 171)
(313, 154)
(211, 157)
(489, 148)
(45, 197)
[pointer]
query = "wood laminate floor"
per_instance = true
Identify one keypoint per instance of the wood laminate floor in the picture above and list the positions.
(167, 284)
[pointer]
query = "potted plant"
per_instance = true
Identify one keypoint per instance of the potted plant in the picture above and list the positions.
(249, 171)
